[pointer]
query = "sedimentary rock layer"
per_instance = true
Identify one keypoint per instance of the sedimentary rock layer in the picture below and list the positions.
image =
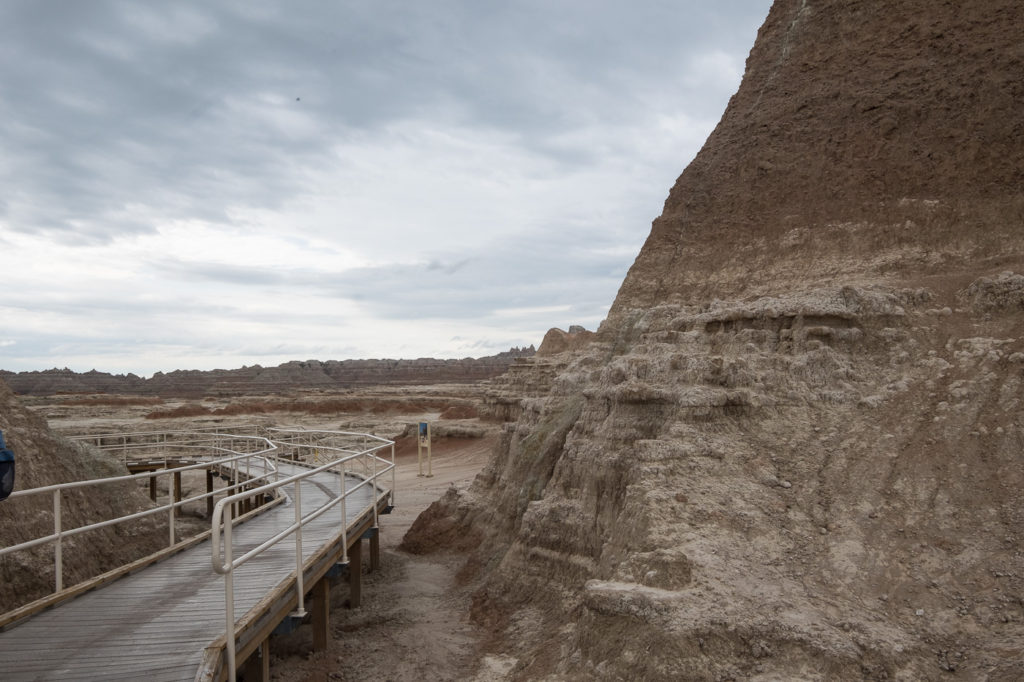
(793, 450)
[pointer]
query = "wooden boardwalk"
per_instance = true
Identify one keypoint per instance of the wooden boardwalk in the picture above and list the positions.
(156, 624)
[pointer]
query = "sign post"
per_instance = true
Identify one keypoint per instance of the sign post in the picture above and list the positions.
(423, 441)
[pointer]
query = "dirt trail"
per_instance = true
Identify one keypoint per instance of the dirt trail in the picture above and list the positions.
(412, 622)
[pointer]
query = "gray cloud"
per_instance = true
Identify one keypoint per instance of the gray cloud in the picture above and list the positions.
(119, 119)
(510, 275)
(188, 107)
(227, 273)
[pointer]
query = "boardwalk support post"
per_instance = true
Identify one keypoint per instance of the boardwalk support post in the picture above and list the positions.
(152, 488)
(258, 665)
(355, 574)
(373, 535)
(321, 612)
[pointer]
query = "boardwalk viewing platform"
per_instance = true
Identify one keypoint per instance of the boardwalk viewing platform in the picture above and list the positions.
(282, 506)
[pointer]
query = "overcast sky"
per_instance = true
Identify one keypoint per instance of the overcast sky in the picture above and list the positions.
(191, 185)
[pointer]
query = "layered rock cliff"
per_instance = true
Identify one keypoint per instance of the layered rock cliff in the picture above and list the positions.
(795, 448)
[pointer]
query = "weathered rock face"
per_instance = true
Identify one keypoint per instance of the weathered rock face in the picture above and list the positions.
(865, 140)
(332, 374)
(793, 450)
(46, 459)
(557, 341)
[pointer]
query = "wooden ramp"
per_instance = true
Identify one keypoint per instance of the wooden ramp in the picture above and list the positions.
(156, 624)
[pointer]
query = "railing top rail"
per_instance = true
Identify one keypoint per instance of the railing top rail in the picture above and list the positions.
(335, 448)
(268, 469)
(114, 479)
(205, 430)
(385, 441)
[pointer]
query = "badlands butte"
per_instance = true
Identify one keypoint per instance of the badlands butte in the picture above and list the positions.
(793, 450)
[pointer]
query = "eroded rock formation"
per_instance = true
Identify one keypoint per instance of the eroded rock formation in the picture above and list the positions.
(794, 450)
(331, 374)
(557, 341)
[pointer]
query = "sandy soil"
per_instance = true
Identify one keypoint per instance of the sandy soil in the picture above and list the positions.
(412, 623)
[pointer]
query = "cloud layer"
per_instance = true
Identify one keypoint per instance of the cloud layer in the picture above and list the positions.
(198, 185)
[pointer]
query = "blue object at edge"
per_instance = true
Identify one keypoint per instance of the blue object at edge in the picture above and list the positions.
(5, 454)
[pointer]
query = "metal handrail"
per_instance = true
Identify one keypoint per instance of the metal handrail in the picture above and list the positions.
(234, 430)
(267, 467)
(221, 521)
(300, 430)
(136, 440)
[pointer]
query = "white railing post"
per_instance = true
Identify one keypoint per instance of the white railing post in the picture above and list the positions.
(234, 481)
(298, 551)
(344, 515)
(229, 593)
(374, 486)
(58, 549)
(394, 469)
(170, 519)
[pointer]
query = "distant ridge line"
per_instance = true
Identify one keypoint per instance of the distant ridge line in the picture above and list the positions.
(331, 374)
